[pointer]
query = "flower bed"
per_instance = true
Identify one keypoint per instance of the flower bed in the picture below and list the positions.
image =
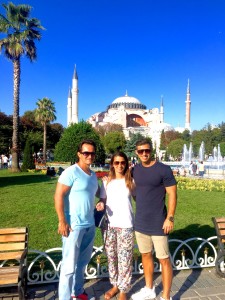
(205, 185)
(101, 174)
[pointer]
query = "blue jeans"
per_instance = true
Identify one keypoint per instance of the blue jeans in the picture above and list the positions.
(77, 250)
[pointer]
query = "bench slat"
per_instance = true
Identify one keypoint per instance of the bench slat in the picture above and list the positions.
(221, 225)
(12, 238)
(13, 230)
(222, 219)
(11, 255)
(9, 279)
(9, 270)
(9, 275)
(11, 246)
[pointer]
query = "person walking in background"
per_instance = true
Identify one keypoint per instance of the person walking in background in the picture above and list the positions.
(153, 221)
(194, 168)
(5, 161)
(190, 168)
(74, 204)
(115, 193)
(201, 169)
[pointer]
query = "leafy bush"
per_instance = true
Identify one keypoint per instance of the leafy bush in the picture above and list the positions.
(28, 160)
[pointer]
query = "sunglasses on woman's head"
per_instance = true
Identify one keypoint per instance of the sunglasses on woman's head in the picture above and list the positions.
(141, 151)
(117, 163)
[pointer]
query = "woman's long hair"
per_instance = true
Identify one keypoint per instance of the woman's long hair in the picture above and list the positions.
(112, 174)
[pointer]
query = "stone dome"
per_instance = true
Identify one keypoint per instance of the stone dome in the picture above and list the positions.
(126, 99)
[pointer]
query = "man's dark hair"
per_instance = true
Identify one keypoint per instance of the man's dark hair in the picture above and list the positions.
(87, 141)
(144, 142)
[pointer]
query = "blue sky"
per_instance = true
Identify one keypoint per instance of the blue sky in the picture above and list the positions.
(149, 48)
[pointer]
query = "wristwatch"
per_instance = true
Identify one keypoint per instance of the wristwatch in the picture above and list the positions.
(171, 219)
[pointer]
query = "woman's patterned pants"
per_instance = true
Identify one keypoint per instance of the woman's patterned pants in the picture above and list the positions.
(119, 243)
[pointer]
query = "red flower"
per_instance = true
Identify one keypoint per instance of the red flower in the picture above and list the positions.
(101, 174)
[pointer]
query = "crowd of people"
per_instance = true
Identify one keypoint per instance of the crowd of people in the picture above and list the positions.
(196, 168)
(147, 182)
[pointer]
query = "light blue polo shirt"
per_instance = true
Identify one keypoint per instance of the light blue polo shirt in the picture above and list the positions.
(79, 203)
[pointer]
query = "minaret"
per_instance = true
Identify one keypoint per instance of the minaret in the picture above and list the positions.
(69, 108)
(75, 92)
(161, 111)
(188, 108)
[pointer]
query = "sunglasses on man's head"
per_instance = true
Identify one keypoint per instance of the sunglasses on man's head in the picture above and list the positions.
(86, 153)
(117, 163)
(141, 151)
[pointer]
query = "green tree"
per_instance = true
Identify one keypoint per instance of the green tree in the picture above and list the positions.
(222, 149)
(167, 137)
(28, 122)
(66, 148)
(28, 159)
(54, 133)
(222, 127)
(186, 135)
(45, 113)
(175, 148)
(110, 127)
(131, 144)
(163, 140)
(113, 141)
(35, 137)
(21, 33)
(5, 133)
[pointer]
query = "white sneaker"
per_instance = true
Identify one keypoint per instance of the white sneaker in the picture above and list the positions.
(161, 298)
(144, 294)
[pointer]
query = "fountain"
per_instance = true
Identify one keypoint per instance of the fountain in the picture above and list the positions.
(190, 152)
(219, 156)
(215, 154)
(214, 164)
(201, 153)
(187, 154)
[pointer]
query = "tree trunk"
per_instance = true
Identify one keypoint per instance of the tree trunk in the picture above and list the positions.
(16, 98)
(44, 142)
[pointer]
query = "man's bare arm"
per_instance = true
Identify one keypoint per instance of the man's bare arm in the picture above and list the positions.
(60, 193)
(172, 203)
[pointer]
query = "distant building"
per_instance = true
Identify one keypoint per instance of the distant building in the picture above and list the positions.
(129, 112)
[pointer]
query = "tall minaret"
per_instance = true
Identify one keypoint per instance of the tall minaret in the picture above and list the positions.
(75, 92)
(69, 108)
(188, 108)
(161, 111)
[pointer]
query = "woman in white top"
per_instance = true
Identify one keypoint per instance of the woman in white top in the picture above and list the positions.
(119, 238)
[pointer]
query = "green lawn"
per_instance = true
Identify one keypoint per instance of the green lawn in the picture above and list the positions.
(27, 200)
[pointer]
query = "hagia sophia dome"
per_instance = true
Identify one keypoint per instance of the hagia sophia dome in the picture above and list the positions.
(126, 99)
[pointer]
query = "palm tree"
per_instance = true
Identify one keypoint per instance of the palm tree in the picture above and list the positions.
(21, 33)
(45, 113)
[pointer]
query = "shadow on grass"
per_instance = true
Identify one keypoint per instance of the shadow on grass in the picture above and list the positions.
(24, 178)
(193, 230)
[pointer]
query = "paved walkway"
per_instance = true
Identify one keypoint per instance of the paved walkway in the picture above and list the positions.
(190, 285)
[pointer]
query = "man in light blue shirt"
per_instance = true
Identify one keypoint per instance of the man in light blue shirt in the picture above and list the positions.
(74, 204)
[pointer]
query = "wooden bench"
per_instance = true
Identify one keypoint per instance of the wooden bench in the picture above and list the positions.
(13, 258)
(219, 224)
